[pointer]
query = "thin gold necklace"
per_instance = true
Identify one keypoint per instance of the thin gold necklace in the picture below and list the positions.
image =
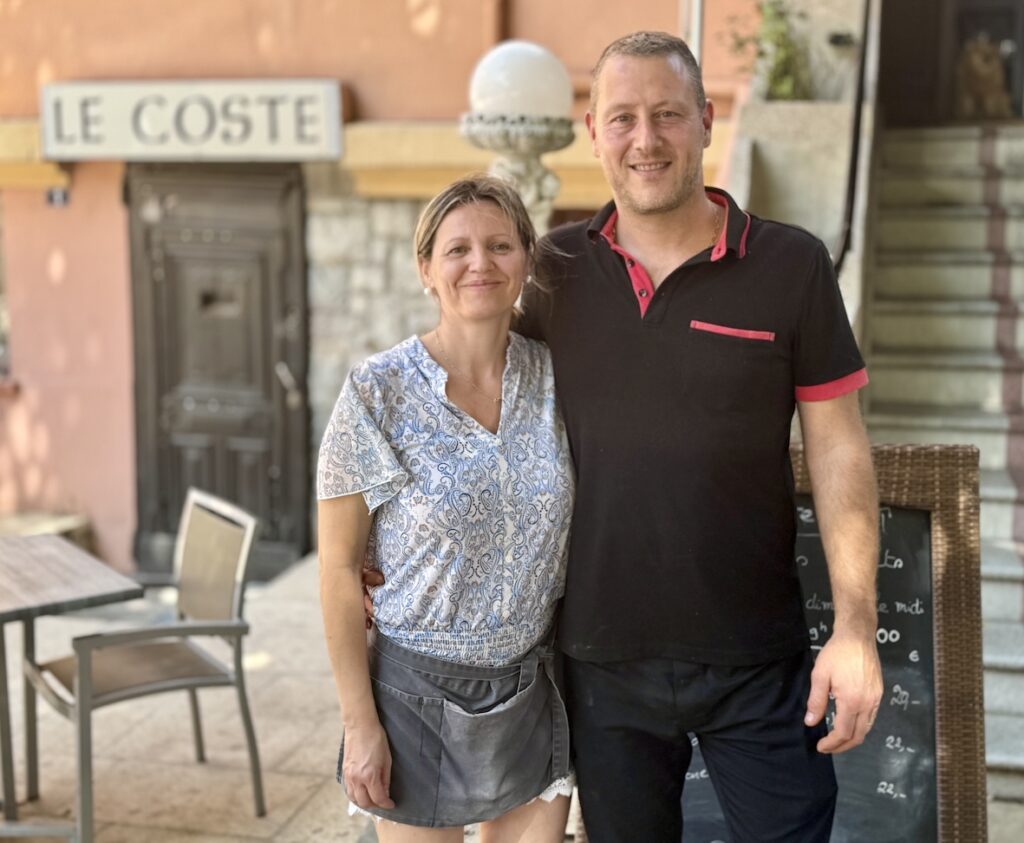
(458, 373)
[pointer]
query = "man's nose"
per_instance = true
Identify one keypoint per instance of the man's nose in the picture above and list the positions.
(645, 134)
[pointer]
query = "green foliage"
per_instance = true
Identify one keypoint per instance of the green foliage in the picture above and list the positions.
(780, 57)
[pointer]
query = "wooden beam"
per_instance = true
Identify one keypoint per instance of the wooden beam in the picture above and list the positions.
(19, 140)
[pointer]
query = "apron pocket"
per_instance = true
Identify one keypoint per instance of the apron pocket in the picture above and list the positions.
(491, 759)
(411, 724)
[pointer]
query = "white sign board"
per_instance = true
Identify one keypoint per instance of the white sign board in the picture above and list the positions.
(200, 120)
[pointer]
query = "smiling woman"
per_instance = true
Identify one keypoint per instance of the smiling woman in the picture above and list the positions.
(434, 449)
(477, 267)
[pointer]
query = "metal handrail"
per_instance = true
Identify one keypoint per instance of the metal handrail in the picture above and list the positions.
(851, 181)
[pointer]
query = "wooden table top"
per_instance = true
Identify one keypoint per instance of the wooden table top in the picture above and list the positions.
(47, 575)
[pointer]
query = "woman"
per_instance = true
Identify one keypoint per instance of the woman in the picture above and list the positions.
(445, 464)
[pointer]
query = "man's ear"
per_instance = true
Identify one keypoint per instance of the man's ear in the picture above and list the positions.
(708, 118)
(591, 124)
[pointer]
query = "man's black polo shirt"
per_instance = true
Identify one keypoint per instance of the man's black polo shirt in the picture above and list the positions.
(683, 533)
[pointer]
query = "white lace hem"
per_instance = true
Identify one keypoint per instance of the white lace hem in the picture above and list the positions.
(559, 787)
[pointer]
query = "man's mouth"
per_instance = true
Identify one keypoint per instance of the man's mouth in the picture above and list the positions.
(649, 168)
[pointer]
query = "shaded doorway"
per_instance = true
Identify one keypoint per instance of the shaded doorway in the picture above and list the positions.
(1002, 22)
(220, 326)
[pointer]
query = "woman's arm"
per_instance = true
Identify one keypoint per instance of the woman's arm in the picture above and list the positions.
(344, 528)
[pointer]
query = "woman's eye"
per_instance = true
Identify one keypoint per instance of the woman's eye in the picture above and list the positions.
(502, 247)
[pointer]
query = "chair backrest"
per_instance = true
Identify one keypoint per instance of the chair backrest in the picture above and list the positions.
(210, 555)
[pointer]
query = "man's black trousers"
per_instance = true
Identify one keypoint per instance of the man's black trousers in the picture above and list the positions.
(629, 722)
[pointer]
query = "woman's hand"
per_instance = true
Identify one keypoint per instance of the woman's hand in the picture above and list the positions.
(367, 766)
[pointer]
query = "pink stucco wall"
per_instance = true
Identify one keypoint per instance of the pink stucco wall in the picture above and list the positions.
(399, 59)
(67, 440)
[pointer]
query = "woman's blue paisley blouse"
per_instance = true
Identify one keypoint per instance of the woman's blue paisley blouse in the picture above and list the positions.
(470, 528)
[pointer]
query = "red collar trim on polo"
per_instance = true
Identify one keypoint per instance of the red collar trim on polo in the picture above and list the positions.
(733, 235)
(722, 244)
(643, 286)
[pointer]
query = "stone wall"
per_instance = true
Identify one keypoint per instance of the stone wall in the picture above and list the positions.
(364, 291)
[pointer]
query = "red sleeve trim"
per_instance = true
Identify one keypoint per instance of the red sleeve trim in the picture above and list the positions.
(764, 336)
(833, 389)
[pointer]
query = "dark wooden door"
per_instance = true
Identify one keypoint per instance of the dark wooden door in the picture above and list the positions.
(218, 279)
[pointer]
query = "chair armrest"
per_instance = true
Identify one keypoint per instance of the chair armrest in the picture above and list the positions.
(97, 641)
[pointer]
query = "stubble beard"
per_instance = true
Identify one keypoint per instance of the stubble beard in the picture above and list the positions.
(645, 205)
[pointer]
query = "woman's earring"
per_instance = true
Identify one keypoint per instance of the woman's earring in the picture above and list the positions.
(427, 291)
(529, 279)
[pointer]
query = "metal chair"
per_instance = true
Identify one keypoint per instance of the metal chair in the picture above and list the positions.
(210, 555)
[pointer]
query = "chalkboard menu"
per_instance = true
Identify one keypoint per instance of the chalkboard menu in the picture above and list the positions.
(887, 786)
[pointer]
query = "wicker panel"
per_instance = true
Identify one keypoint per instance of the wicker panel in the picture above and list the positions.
(942, 479)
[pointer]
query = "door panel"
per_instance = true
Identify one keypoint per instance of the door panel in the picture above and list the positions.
(218, 275)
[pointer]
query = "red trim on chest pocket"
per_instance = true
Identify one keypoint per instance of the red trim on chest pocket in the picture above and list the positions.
(710, 327)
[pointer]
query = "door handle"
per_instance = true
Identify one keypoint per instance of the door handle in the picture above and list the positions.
(293, 394)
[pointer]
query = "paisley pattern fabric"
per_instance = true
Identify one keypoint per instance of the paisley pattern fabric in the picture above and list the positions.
(470, 528)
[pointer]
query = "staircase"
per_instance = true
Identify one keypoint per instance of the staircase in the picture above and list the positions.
(946, 357)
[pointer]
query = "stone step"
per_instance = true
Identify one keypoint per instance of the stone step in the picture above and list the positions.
(970, 227)
(963, 186)
(948, 275)
(1004, 755)
(1002, 505)
(1004, 667)
(934, 378)
(1005, 792)
(958, 325)
(968, 146)
(992, 433)
(1002, 581)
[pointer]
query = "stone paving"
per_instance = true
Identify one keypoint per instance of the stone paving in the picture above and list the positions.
(149, 789)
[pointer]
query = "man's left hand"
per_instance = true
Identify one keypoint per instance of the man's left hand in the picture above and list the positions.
(847, 669)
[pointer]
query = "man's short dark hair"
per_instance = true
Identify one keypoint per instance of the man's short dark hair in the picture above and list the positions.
(645, 45)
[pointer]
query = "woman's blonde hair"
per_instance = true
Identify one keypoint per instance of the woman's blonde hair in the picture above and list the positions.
(475, 188)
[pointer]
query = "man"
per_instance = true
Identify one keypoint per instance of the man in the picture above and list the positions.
(683, 333)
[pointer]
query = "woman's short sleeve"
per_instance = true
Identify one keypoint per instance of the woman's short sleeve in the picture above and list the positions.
(354, 454)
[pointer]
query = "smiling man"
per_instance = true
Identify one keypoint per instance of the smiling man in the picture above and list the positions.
(684, 334)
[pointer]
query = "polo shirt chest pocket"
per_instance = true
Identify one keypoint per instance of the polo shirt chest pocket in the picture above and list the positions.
(730, 369)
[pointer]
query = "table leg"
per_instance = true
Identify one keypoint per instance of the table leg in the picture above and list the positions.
(6, 747)
(31, 729)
